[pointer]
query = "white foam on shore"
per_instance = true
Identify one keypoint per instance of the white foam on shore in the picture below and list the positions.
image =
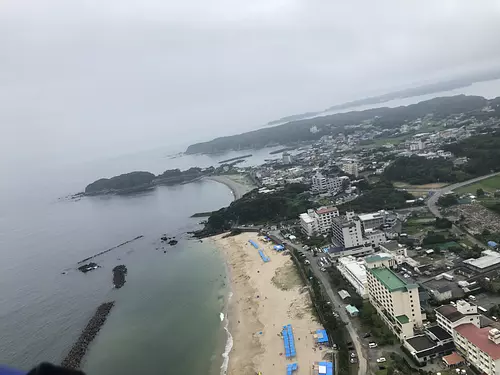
(229, 343)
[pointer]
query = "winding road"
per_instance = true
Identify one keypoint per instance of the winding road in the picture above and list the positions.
(432, 201)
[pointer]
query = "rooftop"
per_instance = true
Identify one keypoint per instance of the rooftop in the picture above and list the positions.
(489, 258)
(479, 338)
(425, 346)
(421, 342)
(439, 332)
(377, 257)
(390, 280)
(391, 245)
(403, 319)
(355, 268)
(450, 312)
(371, 216)
(325, 210)
(306, 218)
(453, 359)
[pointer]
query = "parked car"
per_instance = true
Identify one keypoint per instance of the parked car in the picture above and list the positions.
(307, 262)
(372, 345)
(353, 355)
(381, 360)
(323, 269)
(353, 360)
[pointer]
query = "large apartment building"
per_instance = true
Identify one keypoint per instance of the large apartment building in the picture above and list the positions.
(332, 185)
(319, 221)
(396, 301)
(347, 231)
(479, 346)
(351, 167)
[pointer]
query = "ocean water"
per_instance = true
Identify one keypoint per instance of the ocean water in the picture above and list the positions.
(167, 315)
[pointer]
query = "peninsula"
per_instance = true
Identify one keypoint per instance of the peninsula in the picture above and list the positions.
(140, 181)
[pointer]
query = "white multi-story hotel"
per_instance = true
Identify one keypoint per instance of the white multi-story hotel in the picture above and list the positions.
(333, 185)
(479, 346)
(396, 301)
(318, 221)
(347, 231)
(451, 316)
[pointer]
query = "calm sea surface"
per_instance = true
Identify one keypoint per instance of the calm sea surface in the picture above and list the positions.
(166, 317)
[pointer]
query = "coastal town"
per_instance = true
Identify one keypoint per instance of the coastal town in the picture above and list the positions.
(400, 268)
(370, 250)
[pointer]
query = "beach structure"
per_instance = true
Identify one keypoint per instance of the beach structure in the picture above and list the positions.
(321, 337)
(288, 341)
(291, 368)
(279, 247)
(254, 244)
(264, 257)
(323, 368)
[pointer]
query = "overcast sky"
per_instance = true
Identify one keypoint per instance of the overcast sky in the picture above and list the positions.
(105, 77)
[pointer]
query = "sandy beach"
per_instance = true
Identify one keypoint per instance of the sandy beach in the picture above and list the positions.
(266, 296)
(238, 184)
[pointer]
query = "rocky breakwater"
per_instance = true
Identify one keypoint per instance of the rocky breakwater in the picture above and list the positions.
(79, 349)
(119, 273)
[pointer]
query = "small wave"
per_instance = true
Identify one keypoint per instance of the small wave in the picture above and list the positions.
(229, 343)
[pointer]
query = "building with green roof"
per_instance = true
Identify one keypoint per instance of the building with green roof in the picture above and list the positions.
(396, 300)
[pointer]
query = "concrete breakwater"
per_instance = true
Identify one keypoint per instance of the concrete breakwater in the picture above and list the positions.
(108, 250)
(77, 352)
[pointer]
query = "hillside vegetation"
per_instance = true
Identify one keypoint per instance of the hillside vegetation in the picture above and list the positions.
(418, 170)
(300, 130)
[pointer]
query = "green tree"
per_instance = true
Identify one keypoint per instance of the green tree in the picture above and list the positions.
(480, 192)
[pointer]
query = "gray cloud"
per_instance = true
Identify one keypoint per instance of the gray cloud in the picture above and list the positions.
(90, 78)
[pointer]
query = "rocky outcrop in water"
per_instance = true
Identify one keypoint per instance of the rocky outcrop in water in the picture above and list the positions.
(79, 349)
(119, 273)
(88, 267)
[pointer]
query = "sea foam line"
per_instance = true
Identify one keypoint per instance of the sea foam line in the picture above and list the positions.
(229, 343)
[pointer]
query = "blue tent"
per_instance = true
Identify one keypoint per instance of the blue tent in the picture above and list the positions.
(322, 336)
(328, 367)
(253, 244)
(492, 244)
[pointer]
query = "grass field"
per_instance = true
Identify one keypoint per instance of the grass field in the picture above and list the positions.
(490, 185)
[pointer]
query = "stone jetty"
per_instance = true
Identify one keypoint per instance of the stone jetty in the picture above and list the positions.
(79, 349)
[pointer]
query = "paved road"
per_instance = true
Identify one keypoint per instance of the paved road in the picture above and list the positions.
(432, 201)
(432, 205)
(337, 303)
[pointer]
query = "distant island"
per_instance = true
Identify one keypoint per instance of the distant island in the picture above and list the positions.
(139, 181)
(315, 128)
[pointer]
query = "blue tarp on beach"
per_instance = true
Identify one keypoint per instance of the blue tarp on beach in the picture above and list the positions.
(279, 247)
(328, 366)
(288, 341)
(290, 368)
(253, 244)
(322, 336)
(264, 257)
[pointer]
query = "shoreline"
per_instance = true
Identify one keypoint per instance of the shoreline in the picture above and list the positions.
(238, 189)
(265, 296)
